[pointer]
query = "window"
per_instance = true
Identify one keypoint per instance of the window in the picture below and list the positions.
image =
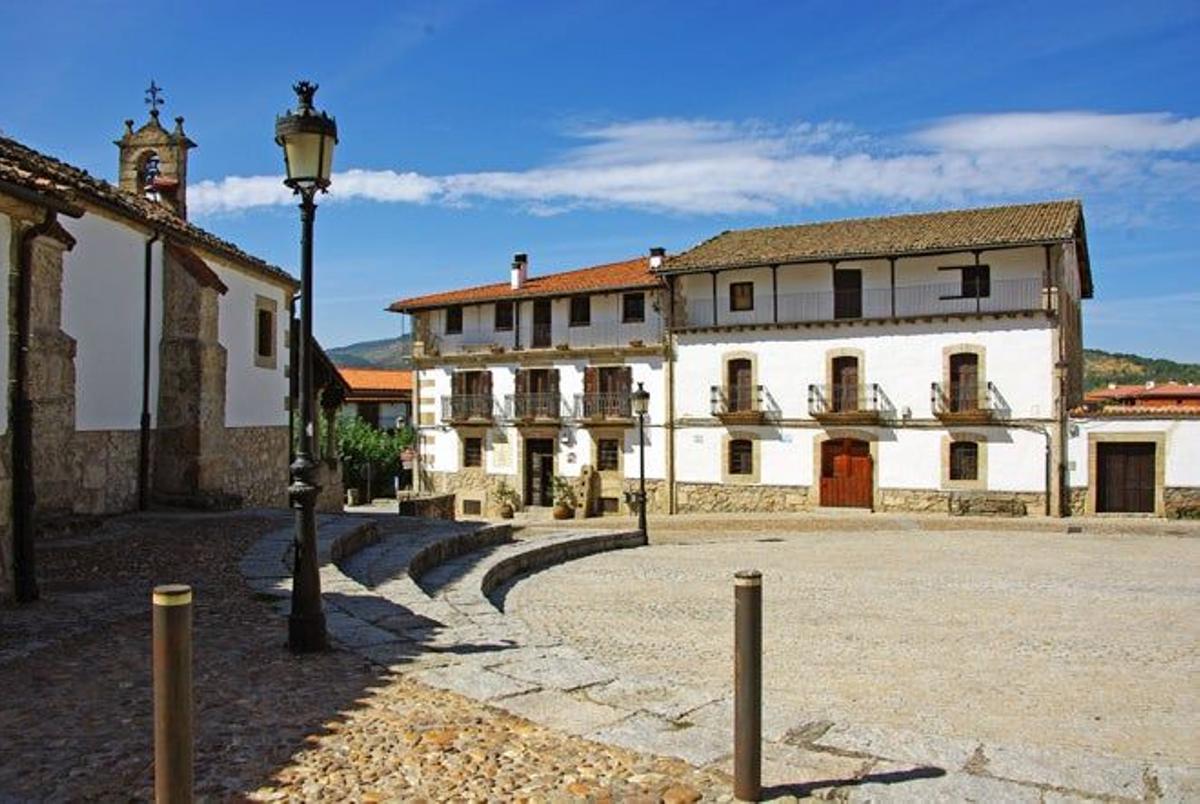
(453, 320)
(472, 507)
(608, 455)
(741, 457)
(473, 451)
(633, 308)
(581, 311)
(976, 281)
(504, 316)
(964, 460)
(264, 332)
(741, 296)
(610, 505)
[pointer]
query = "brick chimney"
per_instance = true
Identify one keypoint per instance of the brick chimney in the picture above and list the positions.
(520, 271)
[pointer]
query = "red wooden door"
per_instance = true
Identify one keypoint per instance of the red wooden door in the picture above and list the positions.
(846, 474)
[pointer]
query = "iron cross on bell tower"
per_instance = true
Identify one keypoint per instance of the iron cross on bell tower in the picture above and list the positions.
(153, 98)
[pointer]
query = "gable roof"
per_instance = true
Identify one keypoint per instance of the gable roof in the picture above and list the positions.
(1164, 390)
(893, 235)
(364, 381)
(633, 273)
(33, 170)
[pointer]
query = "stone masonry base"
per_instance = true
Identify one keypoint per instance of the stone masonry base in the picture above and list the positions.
(256, 465)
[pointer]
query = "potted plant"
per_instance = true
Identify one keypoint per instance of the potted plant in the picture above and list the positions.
(508, 498)
(565, 500)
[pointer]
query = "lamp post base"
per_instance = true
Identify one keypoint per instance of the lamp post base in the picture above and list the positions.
(306, 633)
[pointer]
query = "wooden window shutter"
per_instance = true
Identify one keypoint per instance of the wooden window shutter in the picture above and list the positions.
(485, 383)
(553, 374)
(522, 381)
(627, 379)
(591, 380)
(457, 382)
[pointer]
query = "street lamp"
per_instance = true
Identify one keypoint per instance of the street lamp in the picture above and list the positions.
(307, 138)
(641, 404)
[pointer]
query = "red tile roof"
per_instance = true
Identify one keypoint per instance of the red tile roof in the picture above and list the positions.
(633, 273)
(1166, 390)
(365, 380)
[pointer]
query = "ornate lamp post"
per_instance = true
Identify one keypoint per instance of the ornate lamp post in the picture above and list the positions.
(308, 139)
(641, 404)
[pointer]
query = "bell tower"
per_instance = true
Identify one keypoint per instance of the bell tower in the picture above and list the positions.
(153, 161)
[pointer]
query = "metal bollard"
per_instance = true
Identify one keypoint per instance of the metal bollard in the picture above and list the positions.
(747, 685)
(172, 694)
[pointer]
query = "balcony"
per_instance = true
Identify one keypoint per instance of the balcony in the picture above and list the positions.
(545, 407)
(870, 304)
(467, 408)
(609, 407)
(964, 404)
(738, 404)
(846, 404)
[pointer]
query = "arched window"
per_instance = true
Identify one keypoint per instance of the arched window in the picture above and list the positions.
(741, 457)
(148, 169)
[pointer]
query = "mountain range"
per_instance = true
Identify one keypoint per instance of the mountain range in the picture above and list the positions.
(1100, 368)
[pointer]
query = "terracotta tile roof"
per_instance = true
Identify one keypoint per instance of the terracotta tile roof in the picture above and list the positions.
(894, 235)
(33, 170)
(612, 276)
(1164, 390)
(368, 380)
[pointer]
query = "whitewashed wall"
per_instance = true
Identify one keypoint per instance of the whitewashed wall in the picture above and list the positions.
(254, 396)
(102, 309)
(904, 359)
(6, 268)
(1183, 446)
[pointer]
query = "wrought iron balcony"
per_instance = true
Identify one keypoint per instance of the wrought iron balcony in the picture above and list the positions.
(845, 403)
(964, 403)
(541, 406)
(460, 408)
(608, 406)
(738, 404)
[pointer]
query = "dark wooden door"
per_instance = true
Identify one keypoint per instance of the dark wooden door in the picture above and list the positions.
(541, 323)
(539, 469)
(1125, 477)
(846, 474)
(738, 385)
(964, 382)
(845, 384)
(847, 294)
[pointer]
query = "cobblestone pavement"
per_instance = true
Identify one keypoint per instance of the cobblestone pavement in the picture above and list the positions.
(76, 717)
(1075, 658)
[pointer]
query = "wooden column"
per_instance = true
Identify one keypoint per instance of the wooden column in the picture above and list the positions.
(892, 265)
(714, 289)
(775, 293)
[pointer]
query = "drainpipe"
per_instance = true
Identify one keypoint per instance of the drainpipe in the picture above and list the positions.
(144, 432)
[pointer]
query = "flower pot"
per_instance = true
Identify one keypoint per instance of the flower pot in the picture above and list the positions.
(506, 511)
(563, 512)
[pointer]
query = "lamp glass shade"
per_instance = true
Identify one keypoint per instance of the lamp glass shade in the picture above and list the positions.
(640, 400)
(309, 157)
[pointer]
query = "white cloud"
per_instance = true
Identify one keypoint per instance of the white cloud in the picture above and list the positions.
(712, 167)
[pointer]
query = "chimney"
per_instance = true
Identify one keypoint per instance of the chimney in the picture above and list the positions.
(520, 270)
(1149, 383)
(656, 257)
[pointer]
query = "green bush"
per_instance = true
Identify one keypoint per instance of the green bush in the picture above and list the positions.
(366, 451)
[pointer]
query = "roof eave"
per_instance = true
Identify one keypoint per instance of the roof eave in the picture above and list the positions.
(403, 307)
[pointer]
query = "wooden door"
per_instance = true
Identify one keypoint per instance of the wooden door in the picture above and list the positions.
(541, 323)
(539, 469)
(847, 293)
(1125, 477)
(964, 382)
(846, 474)
(738, 385)
(845, 384)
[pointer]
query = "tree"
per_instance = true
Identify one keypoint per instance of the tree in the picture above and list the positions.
(369, 454)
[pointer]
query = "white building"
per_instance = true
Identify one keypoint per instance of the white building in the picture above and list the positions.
(921, 362)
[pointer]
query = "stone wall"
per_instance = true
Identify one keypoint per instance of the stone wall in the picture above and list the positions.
(472, 485)
(331, 499)
(427, 506)
(106, 465)
(1182, 502)
(7, 578)
(256, 465)
(1002, 503)
(721, 498)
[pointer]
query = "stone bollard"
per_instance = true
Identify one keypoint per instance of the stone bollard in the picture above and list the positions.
(747, 685)
(172, 694)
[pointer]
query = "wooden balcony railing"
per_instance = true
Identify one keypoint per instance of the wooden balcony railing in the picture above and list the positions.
(963, 403)
(846, 403)
(467, 407)
(547, 406)
(604, 406)
(740, 404)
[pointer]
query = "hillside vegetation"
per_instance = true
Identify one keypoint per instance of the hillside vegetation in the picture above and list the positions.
(1100, 368)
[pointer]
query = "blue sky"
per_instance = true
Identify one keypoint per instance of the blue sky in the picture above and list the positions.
(585, 132)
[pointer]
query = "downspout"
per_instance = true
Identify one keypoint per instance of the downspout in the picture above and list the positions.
(144, 432)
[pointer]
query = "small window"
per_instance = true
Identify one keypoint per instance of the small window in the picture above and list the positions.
(504, 316)
(633, 308)
(976, 281)
(472, 452)
(741, 457)
(610, 505)
(453, 320)
(608, 455)
(741, 296)
(964, 460)
(266, 333)
(472, 507)
(581, 311)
